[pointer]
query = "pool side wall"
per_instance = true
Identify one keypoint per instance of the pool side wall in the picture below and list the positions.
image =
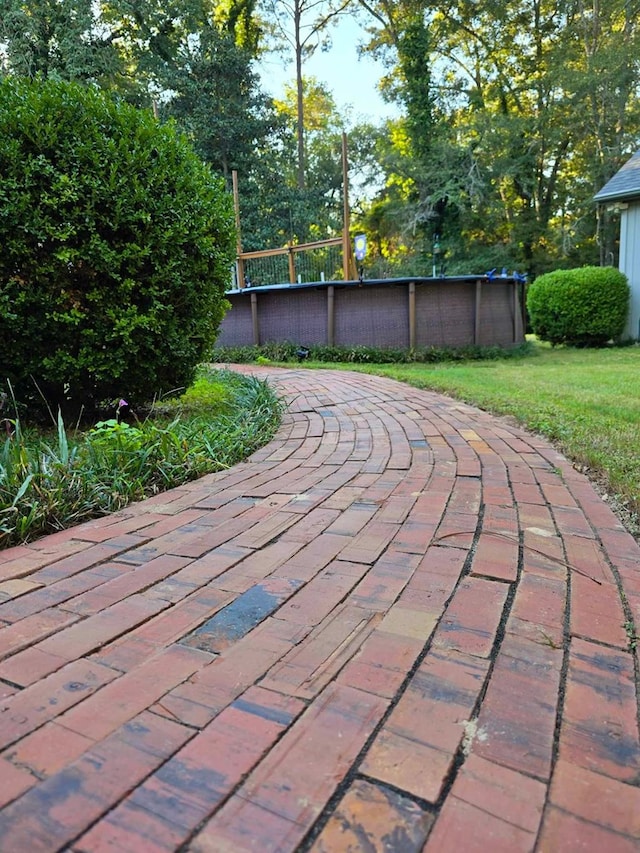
(389, 313)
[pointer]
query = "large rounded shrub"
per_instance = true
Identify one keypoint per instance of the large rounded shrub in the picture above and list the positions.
(582, 307)
(116, 245)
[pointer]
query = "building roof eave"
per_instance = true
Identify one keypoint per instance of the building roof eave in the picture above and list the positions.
(624, 185)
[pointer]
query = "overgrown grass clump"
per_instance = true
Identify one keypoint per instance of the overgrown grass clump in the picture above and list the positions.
(50, 482)
(287, 351)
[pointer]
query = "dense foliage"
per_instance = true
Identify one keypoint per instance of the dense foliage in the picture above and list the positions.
(582, 307)
(288, 352)
(51, 482)
(117, 244)
(512, 116)
(535, 106)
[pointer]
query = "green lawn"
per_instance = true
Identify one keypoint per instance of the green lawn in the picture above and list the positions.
(586, 401)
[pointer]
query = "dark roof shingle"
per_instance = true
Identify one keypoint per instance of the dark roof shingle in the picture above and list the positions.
(625, 184)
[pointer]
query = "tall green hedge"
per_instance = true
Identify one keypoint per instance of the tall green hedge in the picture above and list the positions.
(115, 249)
(582, 307)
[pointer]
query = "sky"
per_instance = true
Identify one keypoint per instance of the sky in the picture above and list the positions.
(351, 79)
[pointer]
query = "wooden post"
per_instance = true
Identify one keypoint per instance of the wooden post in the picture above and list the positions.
(254, 319)
(236, 205)
(412, 315)
(331, 316)
(346, 240)
(516, 311)
(476, 326)
(292, 265)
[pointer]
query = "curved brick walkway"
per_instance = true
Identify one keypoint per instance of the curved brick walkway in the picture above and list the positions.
(403, 625)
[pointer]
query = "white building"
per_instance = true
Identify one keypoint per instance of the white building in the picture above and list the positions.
(623, 191)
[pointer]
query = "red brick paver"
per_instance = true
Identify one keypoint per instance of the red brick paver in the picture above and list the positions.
(402, 625)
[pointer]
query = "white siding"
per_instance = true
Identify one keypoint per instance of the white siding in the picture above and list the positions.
(630, 264)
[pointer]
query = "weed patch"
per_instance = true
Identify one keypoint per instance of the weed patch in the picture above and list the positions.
(49, 482)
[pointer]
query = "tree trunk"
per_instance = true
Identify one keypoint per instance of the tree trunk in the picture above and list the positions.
(300, 96)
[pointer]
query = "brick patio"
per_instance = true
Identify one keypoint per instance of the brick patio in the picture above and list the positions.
(403, 625)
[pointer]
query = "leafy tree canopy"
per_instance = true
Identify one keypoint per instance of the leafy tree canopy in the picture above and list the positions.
(514, 114)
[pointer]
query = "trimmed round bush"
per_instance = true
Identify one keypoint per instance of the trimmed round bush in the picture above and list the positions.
(117, 243)
(581, 307)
